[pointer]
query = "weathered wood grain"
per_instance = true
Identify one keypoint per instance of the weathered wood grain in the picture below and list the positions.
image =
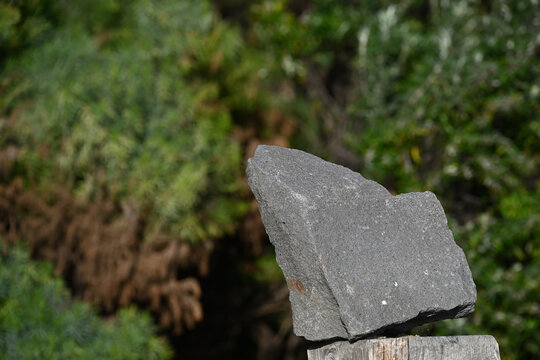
(477, 347)
(474, 347)
(375, 349)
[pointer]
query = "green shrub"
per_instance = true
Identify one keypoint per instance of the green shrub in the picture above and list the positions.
(140, 111)
(138, 100)
(39, 320)
(440, 96)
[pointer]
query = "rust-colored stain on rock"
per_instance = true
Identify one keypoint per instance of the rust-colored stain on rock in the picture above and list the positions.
(297, 286)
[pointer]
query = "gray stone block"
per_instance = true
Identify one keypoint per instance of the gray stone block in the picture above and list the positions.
(358, 260)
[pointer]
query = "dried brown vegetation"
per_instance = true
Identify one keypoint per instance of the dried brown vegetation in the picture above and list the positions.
(109, 257)
(98, 249)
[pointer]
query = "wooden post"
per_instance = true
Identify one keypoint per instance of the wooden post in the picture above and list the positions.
(473, 347)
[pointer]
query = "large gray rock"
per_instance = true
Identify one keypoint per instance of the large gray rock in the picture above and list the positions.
(358, 260)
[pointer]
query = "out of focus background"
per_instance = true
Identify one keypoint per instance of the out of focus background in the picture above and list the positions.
(127, 227)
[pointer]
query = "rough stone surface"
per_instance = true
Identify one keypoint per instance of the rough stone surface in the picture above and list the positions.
(358, 261)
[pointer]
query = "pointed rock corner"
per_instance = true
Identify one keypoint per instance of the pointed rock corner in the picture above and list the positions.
(358, 261)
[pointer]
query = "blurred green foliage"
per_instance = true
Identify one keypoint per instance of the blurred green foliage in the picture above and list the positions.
(39, 320)
(138, 110)
(441, 96)
(138, 100)
(503, 251)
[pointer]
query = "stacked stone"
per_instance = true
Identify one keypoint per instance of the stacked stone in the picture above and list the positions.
(358, 260)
